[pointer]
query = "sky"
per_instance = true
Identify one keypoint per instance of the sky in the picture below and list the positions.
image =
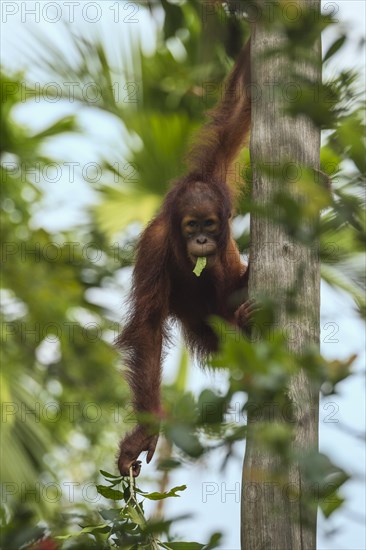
(212, 496)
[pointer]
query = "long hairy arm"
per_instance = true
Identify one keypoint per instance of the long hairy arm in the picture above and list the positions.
(221, 138)
(141, 342)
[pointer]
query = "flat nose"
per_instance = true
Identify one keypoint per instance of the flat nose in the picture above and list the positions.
(201, 240)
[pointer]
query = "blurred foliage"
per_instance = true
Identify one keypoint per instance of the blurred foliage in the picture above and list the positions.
(126, 526)
(60, 387)
(54, 349)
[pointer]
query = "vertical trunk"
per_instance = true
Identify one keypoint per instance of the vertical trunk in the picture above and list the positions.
(274, 514)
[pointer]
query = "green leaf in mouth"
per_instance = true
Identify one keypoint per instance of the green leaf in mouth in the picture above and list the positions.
(200, 265)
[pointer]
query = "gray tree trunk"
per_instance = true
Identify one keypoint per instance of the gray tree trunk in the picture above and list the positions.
(275, 515)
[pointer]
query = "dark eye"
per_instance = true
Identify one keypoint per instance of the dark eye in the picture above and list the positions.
(192, 223)
(208, 223)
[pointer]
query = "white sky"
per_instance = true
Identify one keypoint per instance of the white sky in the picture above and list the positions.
(63, 205)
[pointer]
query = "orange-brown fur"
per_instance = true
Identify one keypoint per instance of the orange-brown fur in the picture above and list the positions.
(163, 283)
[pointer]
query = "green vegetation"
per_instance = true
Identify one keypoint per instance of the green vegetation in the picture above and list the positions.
(63, 401)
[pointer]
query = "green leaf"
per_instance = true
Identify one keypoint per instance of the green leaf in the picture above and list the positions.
(211, 407)
(108, 475)
(168, 464)
(91, 529)
(214, 541)
(200, 265)
(108, 492)
(64, 125)
(183, 437)
(136, 516)
(112, 514)
(161, 496)
(330, 504)
(337, 44)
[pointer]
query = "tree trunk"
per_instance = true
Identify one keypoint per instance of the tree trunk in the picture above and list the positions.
(275, 515)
